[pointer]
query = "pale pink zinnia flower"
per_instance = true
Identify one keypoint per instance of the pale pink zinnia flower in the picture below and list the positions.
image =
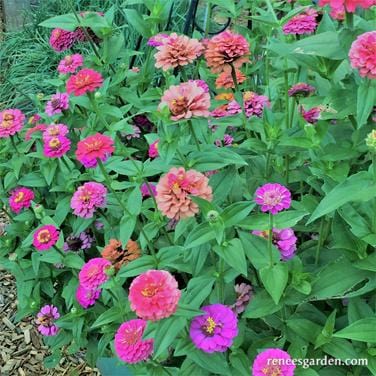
(273, 198)
(226, 49)
(129, 345)
(45, 320)
(254, 104)
(21, 199)
(304, 23)
(87, 297)
(11, 122)
(88, 198)
(186, 101)
(61, 40)
(86, 80)
(243, 296)
(363, 54)
(56, 147)
(45, 237)
(93, 273)
(154, 295)
(58, 103)
(177, 51)
(174, 191)
(202, 84)
(272, 362)
(70, 63)
(224, 80)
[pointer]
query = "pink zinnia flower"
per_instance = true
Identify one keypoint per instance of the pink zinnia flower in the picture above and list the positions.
(129, 345)
(61, 40)
(227, 141)
(37, 128)
(284, 239)
(186, 101)
(45, 237)
(244, 293)
(58, 103)
(11, 122)
(176, 51)
(273, 198)
(145, 192)
(363, 54)
(175, 188)
(254, 104)
(95, 147)
(202, 84)
(226, 49)
(272, 362)
(45, 320)
(55, 130)
(56, 147)
(158, 40)
(224, 80)
(34, 119)
(70, 63)
(312, 115)
(154, 295)
(86, 80)
(87, 297)
(153, 149)
(301, 89)
(88, 198)
(349, 5)
(304, 23)
(215, 330)
(93, 273)
(21, 199)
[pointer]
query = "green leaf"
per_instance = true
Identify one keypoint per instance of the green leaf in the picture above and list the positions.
(35, 261)
(275, 279)
(127, 225)
(234, 213)
(137, 266)
(226, 4)
(65, 22)
(233, 254)
(365, 101)
(261, 305)
(199, 235)
(33, 179)
(112, 316)
(74, 261)
(197, 291)
(134, 19)
(363, 330)
(215, 363)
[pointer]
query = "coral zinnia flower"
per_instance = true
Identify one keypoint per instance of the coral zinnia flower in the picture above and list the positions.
(175, 188)
(363, 54)
(349, 5)
(273, 198)
(70, 63)
(224, 80)
(84, 81)
(61, 40)
(154, 295)
(186, 100)
(11, 122)
(45, 320)
(21, 198)
(93, 273)
(129, 345)
(87, 198)
(215, 330)
(273, 362)
(226, 49)
(45, 237)
(87, 297)
(95, 147)
(304, 23)
(113, 252)
(56, 147)
(177, 50)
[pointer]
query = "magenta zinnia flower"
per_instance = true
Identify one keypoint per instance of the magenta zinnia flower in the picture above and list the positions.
(273, 362)
(215, 330)
(45, 320)
(58, 103)
(93, 273)
(254, 104)
(11, 122)
(61, 40)
(56, 147)
(153, 149)
(88, 198)
(273, 198)
(145, 190)
(87, 297)
(312, 115)
(363, 54)
(45, 237)
(129, 345)
(21, 199)
(70, 63)
(304, 23)
(301, 89)
(158, 40)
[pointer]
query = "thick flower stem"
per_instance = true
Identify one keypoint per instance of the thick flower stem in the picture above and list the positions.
(270, 239)
(190, 125)
(319, 242)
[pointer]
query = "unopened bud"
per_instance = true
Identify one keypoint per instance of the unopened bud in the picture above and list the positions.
(98, 95)
(212, 216)
(371, 140)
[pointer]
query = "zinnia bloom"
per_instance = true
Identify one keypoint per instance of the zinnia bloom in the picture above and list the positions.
(312, 115)
(153, 149)
(37, 128)
(158, 40)
(87, 297)
(226, 49)
(224, 80)
(11, 122)
(175, 188)
(202, 84)
(301, 89)
(21, 199)
(70, 63)
(58, 103)
(45, 237)
(86, 80)
(45, 320)
(56, 147)
(95, 147)
(349, 5)
(118, 256)
(88, 198)
(227, 141)
(154, 295)
(285, 241)
(215, 330)
(176, 51)
(304, 23)
(76, 243)
(273, 198)
(186, 100)
(61, 40)
(254, 104)
(272, 362)
(93, 273)
(244, 293)
(363, 54)
(55, 130)
(145, 192)
(129, 345)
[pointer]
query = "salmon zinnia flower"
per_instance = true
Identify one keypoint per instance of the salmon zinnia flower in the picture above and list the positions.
(224, 80)
(363, 54)
(177, 50)
(84, 81)
(95, 147)
(175, 188)
(11, 122)
(118, 256)
(186, 100)
(226, 49)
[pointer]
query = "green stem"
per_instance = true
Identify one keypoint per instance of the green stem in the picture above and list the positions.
(207, 18)
(190, 125)
(286, 77)
(65, 163)
(350, 20)
(374, 165)
(270, 239)
(287, 169)
(221, 284)
(318, 248)
(14, 145)
(267, 165)
(59, 251)
(98, 112)
(181, 156)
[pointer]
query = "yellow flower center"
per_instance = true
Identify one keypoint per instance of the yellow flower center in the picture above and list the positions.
(54, 143)
(210, 325)
(44, 236)
(149, 290)
(7, 121)
(19, 197)
(93, 146)
(272, 371)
